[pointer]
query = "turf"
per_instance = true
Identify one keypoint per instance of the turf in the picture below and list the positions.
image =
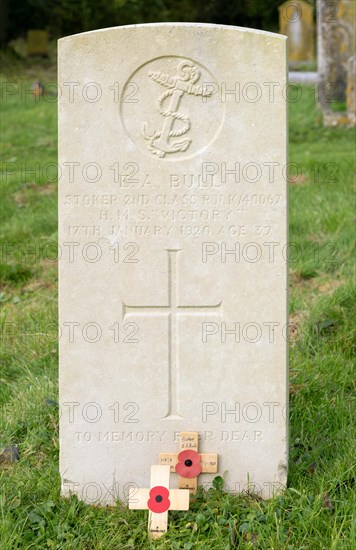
(316, 510)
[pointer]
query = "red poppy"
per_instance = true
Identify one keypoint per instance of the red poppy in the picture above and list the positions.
(188, 464)
(159, 501)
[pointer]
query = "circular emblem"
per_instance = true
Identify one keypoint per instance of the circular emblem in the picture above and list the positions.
(171, 108)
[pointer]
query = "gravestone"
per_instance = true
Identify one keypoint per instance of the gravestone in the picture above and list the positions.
(37, 42)
(351, 87)
(296, 21)
(336, 44)
(172, 232)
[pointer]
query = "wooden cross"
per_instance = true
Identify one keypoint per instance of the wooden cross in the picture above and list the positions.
(188, 463)
(158, 500)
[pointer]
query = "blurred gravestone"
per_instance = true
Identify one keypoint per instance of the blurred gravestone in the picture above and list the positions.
(351, 88)
(37, 42)
(296, 21)
(336, 44)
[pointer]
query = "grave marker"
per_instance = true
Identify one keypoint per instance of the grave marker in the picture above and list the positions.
(158, 500)
(188, 463)
(296, 20)
(172, 232)
(336, 44)
(351, 87)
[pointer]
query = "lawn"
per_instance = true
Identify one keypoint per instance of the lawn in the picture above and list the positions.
(316, 510)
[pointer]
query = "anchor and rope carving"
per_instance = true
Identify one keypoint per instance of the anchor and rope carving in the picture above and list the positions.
(159, 142)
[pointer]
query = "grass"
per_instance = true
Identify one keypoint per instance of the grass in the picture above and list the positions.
(316, 510)
(304, 66)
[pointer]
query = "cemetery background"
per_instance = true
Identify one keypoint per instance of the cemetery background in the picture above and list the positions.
(316, 510)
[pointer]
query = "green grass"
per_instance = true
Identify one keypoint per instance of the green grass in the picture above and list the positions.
(316, 510)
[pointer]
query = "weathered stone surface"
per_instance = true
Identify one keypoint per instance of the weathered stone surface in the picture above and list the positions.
(172, 204)
(336, 43)
(296, 20)
(351, 86)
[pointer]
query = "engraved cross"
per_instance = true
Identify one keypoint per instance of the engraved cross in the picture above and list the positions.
(172, 311)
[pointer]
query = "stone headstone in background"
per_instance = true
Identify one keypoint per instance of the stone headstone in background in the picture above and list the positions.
(296, 20)
(351, 87)
(37, 42)
(172, 229)
(336, 43)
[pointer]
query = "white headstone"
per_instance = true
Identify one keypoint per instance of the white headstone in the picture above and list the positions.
(173, 310)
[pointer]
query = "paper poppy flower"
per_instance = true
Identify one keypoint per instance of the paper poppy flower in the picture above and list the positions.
(188, 464)
(159, 501)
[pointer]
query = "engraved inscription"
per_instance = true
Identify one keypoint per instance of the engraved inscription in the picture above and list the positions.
(172, 311)
(160, 142)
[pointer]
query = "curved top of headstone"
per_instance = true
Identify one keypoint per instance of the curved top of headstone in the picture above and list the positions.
(172, 135)
(176, 26)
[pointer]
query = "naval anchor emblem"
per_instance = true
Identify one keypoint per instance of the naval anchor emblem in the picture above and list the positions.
(161, 142)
